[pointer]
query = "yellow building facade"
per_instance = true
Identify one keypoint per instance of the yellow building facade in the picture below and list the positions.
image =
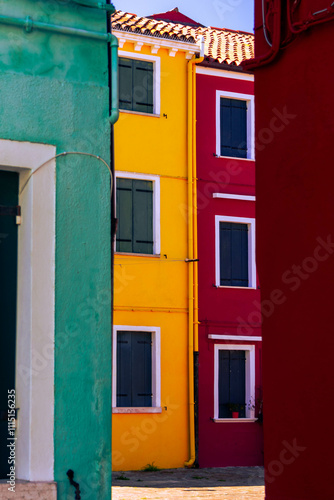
(151, 404)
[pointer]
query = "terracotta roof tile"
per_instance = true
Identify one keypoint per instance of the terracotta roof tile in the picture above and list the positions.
(220, 45)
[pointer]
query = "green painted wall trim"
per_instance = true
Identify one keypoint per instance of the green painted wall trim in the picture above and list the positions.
(29, 25)
(54, 90)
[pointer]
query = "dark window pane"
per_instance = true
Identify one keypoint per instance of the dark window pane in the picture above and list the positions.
(9, 189)
(124, 210)
(233, 128)
(134, 210)
(143, 216)
(135, 85)
(224, 384)
(141, 369)
(233, 254)
(143, 87)
(125, 83)
(134, 369)
(124, 369)
(232, 383)
(237, 380)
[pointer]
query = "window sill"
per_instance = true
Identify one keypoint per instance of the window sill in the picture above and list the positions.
(234, 420)
(154, 255)
(237, 287)
(153, 409)
(235, 158)
(129, 111)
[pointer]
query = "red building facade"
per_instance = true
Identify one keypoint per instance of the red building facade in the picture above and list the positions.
(230, 340)
(295, 220)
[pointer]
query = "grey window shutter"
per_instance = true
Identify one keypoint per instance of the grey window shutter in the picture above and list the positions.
(231, 382)
(134, 210)
(141, 369)
(143, 86)
(224, 384)
(124, 210)
(124, 369)
(233, 254)
(238, 380)
(134, 369)
(135, 85)
(233, 127)
(143, 216)
(125, 78)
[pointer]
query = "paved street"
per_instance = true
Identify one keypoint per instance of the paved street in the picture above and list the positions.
(230, 483)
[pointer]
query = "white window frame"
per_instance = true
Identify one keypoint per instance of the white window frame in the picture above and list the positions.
(250, 122)
(251, 249)
(156, 206)
(35, 306)
(250, 380)
(156, 80)
(156, 369)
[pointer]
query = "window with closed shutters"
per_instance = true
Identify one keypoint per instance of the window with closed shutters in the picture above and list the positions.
(233, 128)
(134, 209)
(136, 85)
(134, 369)
(233, 254)
(232, 383)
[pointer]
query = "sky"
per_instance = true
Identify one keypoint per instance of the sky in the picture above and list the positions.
(230, 14)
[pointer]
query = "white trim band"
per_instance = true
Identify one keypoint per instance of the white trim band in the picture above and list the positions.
(156, 43)
(234, 420)
(234, 75)
(241, 197)
(235, 338)
(132, 410)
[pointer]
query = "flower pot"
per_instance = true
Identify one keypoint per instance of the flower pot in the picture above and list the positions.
(235, 414)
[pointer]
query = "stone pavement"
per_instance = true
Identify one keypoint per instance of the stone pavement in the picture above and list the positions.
(228, 483)
(26, 490)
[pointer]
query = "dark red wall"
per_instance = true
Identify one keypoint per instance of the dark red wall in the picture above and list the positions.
(222, 311)
(295, 230)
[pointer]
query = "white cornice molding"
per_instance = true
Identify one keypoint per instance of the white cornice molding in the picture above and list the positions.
(138, 46)
(234, 75)
(244, 338)
(155, 48)
(227, 196)
(173, 51)
(121, 42)
(173, 46)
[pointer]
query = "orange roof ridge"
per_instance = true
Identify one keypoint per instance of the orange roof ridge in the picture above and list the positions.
(221, 45)
(231, 30)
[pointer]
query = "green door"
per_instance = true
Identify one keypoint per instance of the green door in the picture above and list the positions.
(8, 279)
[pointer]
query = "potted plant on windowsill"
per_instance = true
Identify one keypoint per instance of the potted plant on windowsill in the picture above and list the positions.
(235, 409)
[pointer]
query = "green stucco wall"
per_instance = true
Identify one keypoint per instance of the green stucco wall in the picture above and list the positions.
(54, 90)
